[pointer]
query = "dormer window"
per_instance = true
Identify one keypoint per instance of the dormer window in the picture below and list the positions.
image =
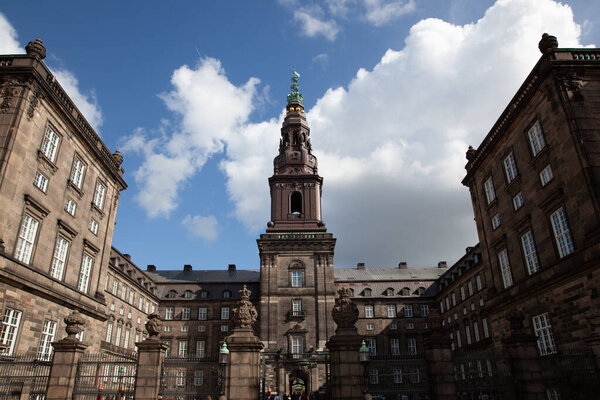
(420, 291)
(226, 294)
(204, 294)
(366, 293)
(389, 292)
(296, 203)
(172, 294)
(405, 292)
(187, 294)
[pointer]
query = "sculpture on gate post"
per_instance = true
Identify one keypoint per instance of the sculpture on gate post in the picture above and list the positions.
(75, 324)
(244, 314)
(345, 312)
(153, 325)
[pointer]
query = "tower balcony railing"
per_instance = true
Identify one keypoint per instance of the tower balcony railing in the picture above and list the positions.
(296, 235)
(296, 314)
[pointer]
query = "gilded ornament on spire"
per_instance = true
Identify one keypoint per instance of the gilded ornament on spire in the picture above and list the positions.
(295, 94)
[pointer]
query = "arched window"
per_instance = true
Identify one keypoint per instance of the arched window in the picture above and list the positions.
(366, 293)
(187, 294)
(351, 292)
(226, 294)
(405, 292)
(203, 294)
(172, 294)
(420, 291)
(296, 203)
(389, 292)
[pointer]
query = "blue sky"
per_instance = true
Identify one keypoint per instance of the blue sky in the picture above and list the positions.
(192, 92)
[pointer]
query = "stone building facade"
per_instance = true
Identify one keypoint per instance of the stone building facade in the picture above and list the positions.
(59, 191)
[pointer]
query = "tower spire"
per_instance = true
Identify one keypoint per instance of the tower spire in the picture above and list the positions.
(295, 95)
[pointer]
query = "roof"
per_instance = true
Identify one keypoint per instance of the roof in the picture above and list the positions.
(387, 274)
(204, 276)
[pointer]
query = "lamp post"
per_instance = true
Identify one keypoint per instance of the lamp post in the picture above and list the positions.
(363, 357)
(223, 361)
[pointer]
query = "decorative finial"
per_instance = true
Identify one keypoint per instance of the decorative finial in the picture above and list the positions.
(345, 312)
(244, 314)
(471, 154)
(118, 157)
(75, 323)
(548, 43)
(295, 94)
(36, 49)
(153, 325)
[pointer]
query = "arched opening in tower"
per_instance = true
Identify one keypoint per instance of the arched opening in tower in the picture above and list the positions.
(296, 203)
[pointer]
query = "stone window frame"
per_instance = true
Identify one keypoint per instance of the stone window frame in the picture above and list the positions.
(511, 171)
(37, 212)
(297, 266)
(530, 140)
(531, 255)
(41, 181)
(570, 242)
(78, 186)
(41, 154)
(489, 190)
(16, 334)
(68, 234)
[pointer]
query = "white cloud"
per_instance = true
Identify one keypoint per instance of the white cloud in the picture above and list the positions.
(86, 103)
(391, 145)
(202, 227)
(313, 24)
(381, 12)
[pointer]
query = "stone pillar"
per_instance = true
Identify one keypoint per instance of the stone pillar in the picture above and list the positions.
(242, 373)
(439, 360)
(592, 316)
(522, 349)
(151, 354)
(347, 379)
(65, 359)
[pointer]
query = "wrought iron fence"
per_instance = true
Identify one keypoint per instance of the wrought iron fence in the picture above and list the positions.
(397, 377)
(571, 373)
(483, 376)
(21, 375)
(191, 378)
(105, 376)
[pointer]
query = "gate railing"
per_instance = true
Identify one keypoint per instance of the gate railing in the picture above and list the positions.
(191, 378)
(22, 374)
(483, 376)
(105, 376)
(394, 376)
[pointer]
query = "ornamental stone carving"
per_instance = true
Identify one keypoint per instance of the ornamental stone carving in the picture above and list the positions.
(75, 323)
(244, 314)
(345, 312)
(36, 49)
(153, 325)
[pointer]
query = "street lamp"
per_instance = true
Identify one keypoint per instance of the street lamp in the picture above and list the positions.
(363, 357)
(223, 360)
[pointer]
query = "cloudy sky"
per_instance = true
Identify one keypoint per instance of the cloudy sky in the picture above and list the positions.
(193, 93)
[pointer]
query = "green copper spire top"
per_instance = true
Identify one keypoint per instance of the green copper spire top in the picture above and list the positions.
(294, 95)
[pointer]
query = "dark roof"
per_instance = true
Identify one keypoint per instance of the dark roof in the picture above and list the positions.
(205, 276)
(387, 274)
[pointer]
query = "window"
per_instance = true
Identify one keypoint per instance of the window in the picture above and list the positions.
(410, 325)
(185, 313)
(368, 311)
(405, 291)
(198, 378)
(183, 348)
(505, 268)
(297, 345)
(202, 313)
(389, 292)
(201, 328)
(123, 292)
(80, 336)
(395, 346)
(415, 375)
(393, 326)
(476, 331)
(146, 305)
(109, 329)
(543, 331)
(26, 239)
(486, 332)
(200, 348)
(50, 144)
(93, 226)
(226, 294)
(121, 310)
(169, 313)
(424, 310)
(296, 307)
(496, 221)
(203, 294)
(462, 293)
(185, 328)
(468, 334)
(224, 328)
(408, 310)
(562, 234)
(411, 345)
(141, 303)
(297, 278)
(131, 296)
(99, 195)
(115, 287)
(453, 296)
(397, 375)
(168, 349)
(296, 203)
(126, 340)
(391, 311)
(518, 201)
(458, 342)
(10, 328)
(180, 380)
(546, 175)
(77, 172)
(59, 258)
(171, 294)
(531, 259)
(441, 307)
(118, 335)
(536, 138)
(167, 328)
(366, 293)
(85, 272)
(421, 291)
(40, 181)
(187, 294)
(70, 206)
(478, 284)
(447, 303)
(370, 327)
(374, 376)
(372, 345)
(470, 288)
(510, 167)
(490, 193)
(552, 393)
(224, 312)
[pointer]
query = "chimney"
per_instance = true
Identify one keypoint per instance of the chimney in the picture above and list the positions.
(360, 266)
(127, 256)
(151, 268)
(231, 267)
(187, 268)
(442, 264)
(402, 265)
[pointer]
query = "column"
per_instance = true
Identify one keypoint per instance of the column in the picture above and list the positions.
(439, 360)
(151, 354)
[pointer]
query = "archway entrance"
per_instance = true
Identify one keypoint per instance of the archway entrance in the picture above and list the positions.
(298, 383)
